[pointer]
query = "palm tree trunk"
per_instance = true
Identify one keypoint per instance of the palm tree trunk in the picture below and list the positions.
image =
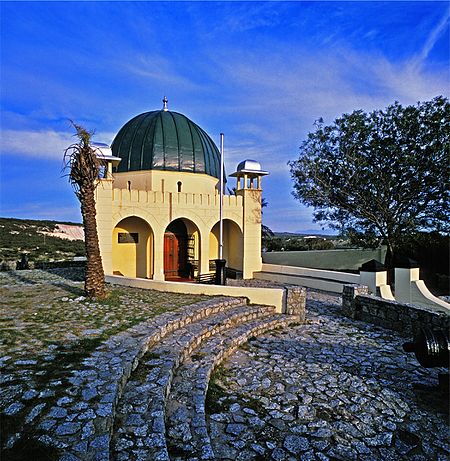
(94, 283)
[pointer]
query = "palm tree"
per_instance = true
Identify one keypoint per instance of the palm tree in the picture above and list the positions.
(84, 168)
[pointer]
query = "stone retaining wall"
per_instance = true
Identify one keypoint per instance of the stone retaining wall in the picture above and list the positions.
(296, 301)
(407, 319)
(294, 297)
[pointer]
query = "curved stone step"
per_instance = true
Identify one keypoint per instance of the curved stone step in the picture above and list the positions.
(84, 429)
(139, 428)
(187, 435)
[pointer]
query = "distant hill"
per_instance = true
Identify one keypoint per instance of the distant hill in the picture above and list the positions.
(302, 234)
(41, 241)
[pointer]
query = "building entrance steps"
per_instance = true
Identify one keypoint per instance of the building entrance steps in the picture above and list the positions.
(140, 423)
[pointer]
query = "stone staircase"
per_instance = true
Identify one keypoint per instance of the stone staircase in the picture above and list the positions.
(161, 414)
(141, 395)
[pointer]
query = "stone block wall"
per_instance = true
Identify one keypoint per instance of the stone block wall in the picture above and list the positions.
(349, 293)
(296, 301)
(407, 319)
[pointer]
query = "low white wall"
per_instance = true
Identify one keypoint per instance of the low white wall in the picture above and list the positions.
(306, 271)
(312, 278)
(347, 259)
(421, 295)
(410, 289)
(267, 296)
(334, 287)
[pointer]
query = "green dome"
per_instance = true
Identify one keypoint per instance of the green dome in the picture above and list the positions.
(165, 140)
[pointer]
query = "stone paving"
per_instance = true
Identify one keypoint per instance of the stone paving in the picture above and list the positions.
(144, 413)
(330, 389)
(49, 332)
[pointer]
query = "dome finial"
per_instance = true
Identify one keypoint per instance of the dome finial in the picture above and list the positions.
(165, 101)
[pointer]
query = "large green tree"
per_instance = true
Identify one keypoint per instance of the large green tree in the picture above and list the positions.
(84, 169)
(379, 175)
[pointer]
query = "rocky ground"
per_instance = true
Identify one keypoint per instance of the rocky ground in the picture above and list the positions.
(331, 389)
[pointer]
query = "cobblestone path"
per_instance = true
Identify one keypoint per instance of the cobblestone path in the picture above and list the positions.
(331, 389)
(210, 378)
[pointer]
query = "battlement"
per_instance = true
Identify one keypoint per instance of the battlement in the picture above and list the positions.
(143, 197)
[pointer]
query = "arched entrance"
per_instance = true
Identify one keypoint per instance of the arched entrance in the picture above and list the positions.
(233, 245)
(132, 248)
(181, 250)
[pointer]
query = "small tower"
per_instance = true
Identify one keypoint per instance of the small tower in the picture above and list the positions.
(248, 174)
(104, 154)
(103, 200)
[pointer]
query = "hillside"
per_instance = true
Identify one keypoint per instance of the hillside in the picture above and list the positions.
(42, 241)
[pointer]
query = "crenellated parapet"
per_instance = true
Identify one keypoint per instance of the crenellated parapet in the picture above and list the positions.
(143, 197)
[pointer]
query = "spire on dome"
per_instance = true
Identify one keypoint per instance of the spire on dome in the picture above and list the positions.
(165, 101)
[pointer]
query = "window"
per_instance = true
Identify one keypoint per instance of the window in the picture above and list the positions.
(125, 237)
(179, 184)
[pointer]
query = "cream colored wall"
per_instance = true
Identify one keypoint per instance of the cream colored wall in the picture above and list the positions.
(166, 181)
(130, 259)
(103, 194)
(266, 296)
(198, 204)
(160, 209)
(312, 273)
(233, 244)
(214, 242)
(410, 289)
(373, 280)
(313, 278)
(252, 230)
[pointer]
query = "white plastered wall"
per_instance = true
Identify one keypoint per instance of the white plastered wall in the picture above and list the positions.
(410, 289)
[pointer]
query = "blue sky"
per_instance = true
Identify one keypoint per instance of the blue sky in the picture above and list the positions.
(261, 72)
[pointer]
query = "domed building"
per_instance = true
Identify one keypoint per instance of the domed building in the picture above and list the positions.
(158, 206)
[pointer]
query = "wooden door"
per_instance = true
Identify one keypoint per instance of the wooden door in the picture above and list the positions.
(171, 251)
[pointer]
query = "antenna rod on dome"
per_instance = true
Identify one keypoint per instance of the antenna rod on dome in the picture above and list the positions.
(221, 200)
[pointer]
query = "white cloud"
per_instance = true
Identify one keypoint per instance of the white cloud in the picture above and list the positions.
(285, 85)
(248, 16)
(269, 156)
(155, 68)
(273, 100)
(432, 38)
(46, 144)
(43, 144)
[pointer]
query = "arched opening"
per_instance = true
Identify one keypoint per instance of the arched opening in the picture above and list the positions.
(132, 248)
(233, 245)
(179, 184)
(181, 250)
